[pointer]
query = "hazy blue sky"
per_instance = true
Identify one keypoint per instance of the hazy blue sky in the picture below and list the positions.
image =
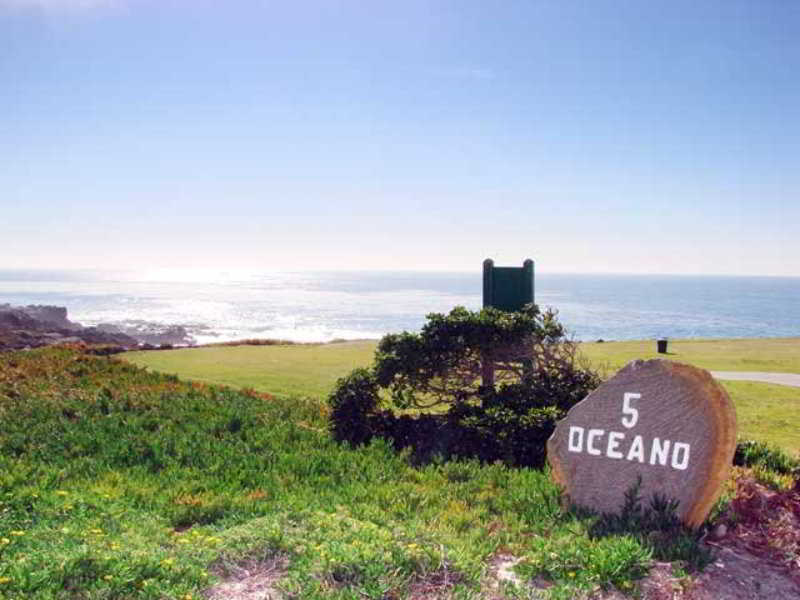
(658, 137)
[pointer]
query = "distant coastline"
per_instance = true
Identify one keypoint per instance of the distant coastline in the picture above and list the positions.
(34, 326)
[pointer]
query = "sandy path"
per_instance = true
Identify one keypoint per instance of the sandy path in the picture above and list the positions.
(792, 379)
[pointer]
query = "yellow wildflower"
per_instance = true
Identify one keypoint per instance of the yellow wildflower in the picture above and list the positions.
(5, 541)
(108, 577)
(61, 493)
(5, 579)
(17, 533)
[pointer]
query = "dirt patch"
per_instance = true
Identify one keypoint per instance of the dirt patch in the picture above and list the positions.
(732, 576)
(766, 524)
(436, 585)
(249, 580)
(500, 574)
(758, 551)
(739, 576)
(662, 584)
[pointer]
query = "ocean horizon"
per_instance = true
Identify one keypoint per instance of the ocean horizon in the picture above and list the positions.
(320, 306)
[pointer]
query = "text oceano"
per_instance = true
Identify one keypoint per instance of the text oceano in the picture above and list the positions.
(658, 452)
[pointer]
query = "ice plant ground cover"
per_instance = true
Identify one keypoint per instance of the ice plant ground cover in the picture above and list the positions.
(116, 482)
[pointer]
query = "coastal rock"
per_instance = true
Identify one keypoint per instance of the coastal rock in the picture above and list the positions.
(38, 325)
(33, 326)
(147, 332)
(55, 316)
(35, 317)
(93, 335)
(16, 319)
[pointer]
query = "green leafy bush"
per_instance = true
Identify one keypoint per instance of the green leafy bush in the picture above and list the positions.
(353, 400)
(444, 364)
(535, 377)
(751, 453)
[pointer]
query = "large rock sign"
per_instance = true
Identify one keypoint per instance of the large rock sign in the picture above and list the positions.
(670, 424)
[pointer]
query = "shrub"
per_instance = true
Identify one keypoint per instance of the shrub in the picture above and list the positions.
(444, 363)
(751, 453)
(514, 434)
(537, 378)
(353, 400)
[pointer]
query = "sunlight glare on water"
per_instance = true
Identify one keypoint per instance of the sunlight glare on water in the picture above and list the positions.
(227, 305)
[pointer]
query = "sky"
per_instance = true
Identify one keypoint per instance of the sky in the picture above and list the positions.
(624, 136)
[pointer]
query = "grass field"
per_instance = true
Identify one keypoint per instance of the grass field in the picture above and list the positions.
(289, 370)
(765, 412)
(120, 483)
(780, 355)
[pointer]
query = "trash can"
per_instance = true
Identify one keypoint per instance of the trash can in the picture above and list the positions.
(662, 346)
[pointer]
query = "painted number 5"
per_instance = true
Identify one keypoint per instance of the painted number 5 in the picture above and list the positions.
(630, 414)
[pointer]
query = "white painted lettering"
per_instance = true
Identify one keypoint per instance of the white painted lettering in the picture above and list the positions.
(636, 450)
(594, 433)
(659, 452)
(630, 414)
(575, 439)
(680, 456)
(614, 438)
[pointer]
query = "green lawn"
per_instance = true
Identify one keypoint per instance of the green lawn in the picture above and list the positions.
(769, 413)
(781, 355)
(765, 412)
(290, 370)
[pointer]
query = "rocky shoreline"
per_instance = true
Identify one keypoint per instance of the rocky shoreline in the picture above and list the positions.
(32, 326)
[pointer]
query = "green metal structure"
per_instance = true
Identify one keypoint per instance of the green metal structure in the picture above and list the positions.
(507, 288)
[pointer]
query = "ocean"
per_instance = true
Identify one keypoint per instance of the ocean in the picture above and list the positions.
(319, 307)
